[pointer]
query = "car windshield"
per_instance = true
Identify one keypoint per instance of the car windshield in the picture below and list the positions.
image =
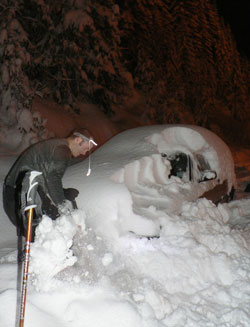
(180, 164)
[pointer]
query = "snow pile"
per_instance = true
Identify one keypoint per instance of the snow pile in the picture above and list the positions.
(195, 274)
(239, 216)
(149, 185)
(52, 252)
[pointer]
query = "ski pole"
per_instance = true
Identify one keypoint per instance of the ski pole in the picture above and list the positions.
(31, 176)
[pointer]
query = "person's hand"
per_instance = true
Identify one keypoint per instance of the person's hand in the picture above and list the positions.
(65, 208)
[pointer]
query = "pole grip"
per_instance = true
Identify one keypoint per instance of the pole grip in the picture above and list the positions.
(31, 177)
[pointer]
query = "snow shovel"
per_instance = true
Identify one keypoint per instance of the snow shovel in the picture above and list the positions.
(31, 176)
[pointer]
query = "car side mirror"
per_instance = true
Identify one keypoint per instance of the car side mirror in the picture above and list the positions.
(207, 175)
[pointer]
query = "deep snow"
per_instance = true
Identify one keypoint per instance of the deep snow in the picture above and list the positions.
(91, 269)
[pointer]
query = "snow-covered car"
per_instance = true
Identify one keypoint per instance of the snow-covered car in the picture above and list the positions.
(155, 169)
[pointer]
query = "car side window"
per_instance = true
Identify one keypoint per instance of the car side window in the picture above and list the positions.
(202, 163)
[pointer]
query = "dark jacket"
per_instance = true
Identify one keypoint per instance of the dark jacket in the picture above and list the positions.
(51, 158)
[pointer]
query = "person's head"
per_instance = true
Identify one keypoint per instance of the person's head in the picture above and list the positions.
(80, 142)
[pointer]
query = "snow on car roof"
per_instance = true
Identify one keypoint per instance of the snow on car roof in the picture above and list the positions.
(137, 142)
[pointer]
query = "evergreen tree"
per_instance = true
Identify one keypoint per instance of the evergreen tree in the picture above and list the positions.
(179, 56)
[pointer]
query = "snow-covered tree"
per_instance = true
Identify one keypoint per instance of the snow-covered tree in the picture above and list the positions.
(164, 61)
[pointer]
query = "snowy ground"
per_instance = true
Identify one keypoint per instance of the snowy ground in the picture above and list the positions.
(89, 270)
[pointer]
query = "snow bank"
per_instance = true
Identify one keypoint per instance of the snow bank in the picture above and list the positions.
(196, 273)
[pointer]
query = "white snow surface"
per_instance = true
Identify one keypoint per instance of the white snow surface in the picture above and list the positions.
(96, 267)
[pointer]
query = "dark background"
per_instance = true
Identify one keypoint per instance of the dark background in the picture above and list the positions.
(237, 14)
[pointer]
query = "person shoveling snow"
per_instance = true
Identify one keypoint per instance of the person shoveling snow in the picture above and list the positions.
(51, 158)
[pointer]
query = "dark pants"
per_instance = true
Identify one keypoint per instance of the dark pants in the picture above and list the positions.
(13, 207)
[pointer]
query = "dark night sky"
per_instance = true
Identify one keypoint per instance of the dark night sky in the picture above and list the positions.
(237, 14)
